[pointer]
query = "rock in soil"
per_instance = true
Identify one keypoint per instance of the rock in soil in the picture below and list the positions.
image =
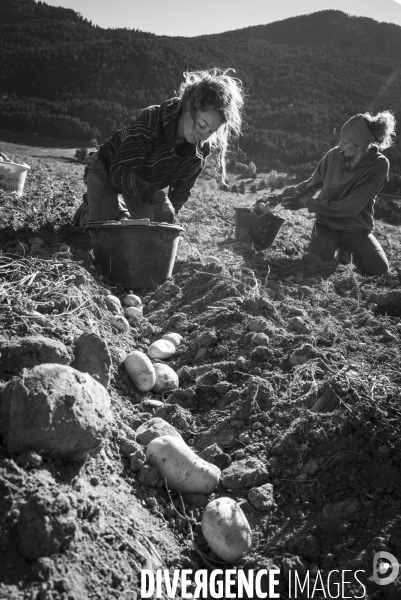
(21, 353)
(210, 452)
(219, 434)
(154, 428)
(245, 474)
(92, 356)
(262, 497)
(339, 509)
(56, 410)
(137, 459)
(177, 416)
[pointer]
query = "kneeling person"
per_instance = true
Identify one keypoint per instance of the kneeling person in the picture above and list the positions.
(348, 178)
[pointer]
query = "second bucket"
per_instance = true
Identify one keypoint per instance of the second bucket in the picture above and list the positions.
(135, 256)
(262, 229)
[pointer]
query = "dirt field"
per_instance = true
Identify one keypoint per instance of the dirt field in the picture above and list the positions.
(286, 363)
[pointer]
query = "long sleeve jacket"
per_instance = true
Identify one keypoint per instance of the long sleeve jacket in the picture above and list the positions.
(346, 200)
(141, 158)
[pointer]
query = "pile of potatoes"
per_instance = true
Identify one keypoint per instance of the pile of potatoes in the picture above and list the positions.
(36, 246)
(125, 312)
(146, 374)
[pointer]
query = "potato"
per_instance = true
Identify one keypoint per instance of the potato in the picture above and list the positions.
(174, 338)
(226, 529)
(21, 248)
(134, 321)
(141, 370)
(36, 247)
(184, 470)
(134, 311)
(258, 325)
(119, 323)
(113, 304)
(161, 349)
(166, 379)
(207, 260)
(131, 300)
(37, 240)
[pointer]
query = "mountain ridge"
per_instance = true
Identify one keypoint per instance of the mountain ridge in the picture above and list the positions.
(311, 30)
(64, 77)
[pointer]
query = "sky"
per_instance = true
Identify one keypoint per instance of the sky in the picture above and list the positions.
(190, 18)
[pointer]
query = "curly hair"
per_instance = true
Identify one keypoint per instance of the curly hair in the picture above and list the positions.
(382, 127)
(203, 90)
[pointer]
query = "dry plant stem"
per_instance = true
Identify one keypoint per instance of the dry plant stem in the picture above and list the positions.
(190, 532)
(73, 310)
(197, 251)
(134, 550)
(254, 404)
(199, 552)
(351, 268)
(138, 556)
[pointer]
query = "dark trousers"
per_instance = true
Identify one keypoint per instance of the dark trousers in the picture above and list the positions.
(367, 253)
(103, 202)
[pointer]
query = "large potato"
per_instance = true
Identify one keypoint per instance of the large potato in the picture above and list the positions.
(141, 370)
(185, 471)
(166, 378)
(113, 304)
(119, 323)
(161, 349)
(226, 529)
(131, 300)
(134, 311)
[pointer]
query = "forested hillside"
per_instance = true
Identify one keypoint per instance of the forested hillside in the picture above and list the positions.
(62, 76)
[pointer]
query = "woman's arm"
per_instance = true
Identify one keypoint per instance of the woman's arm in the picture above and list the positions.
(364, 191)
(311, 185)
(180, 191)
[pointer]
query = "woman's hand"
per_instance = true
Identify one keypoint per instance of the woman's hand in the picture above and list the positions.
(163, 210)
(159, 197)
(295, 203)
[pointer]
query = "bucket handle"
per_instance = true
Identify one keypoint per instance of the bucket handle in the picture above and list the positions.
(125, 222)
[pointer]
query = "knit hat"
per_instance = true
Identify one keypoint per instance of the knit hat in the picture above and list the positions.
(357, 132)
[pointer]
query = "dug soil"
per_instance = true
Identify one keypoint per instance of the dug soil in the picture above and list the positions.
(284, 359)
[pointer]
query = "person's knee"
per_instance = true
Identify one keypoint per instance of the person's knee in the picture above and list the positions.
(382, 269)
(376, 268)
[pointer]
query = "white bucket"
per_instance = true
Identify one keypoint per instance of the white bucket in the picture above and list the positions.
(12, 177)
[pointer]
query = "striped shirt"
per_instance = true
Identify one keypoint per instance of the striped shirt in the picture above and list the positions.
(141, 158)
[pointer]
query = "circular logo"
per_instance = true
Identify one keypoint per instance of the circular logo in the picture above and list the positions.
(385, 568)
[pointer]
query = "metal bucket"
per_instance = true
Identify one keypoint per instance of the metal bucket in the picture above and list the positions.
(135, 254)
(262, 229)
